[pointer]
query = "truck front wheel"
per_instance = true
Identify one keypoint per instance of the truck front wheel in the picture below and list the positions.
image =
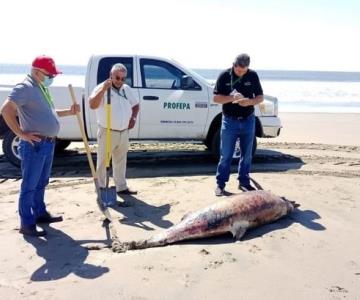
(215, 146)
(10, 148)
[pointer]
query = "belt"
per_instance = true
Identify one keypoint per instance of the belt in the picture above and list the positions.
(46, 138)
(118, 130)
(237, 118)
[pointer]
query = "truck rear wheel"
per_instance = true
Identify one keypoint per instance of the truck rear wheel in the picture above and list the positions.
(10, 148)
(215, 146)
(61, 145)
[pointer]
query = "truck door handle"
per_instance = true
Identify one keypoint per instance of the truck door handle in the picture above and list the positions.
(152, 98)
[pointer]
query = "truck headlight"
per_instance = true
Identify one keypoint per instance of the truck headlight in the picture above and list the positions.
(269, 107)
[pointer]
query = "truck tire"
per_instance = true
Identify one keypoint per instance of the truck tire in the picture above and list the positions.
(10, 148)
(61, 145)
(215, 146)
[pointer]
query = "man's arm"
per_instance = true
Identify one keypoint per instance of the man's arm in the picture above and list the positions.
(95, 100)
(135, 111)
(258, 91)
(75, 108)
(9, 113)
(248, 102)
(222, 99)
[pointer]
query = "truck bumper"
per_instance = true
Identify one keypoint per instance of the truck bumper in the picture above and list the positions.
(271, 126)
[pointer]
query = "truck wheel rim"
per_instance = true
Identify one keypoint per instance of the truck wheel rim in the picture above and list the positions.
(237, 149)
(15, 147)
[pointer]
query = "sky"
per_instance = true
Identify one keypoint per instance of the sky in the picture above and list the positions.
(278, 35)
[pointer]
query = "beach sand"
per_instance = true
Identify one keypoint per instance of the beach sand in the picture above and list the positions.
(311, 254)
(323, 128)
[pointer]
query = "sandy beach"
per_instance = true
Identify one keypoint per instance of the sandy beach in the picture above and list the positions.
(311, 254)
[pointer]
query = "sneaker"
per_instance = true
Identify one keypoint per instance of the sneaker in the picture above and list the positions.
(31, 230)
(219, 192)
(126, 192)
(48, 218)
(246, 188)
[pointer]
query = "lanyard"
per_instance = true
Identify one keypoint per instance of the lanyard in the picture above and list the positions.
(118, 91)
(46, 95)
(234, 82)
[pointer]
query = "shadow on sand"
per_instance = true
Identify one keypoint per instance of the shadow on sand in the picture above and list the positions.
(306, 218)
(63, 256)
(159, 164)
(140, 212)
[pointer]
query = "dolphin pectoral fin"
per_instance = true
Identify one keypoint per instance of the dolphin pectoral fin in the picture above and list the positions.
(238, 231)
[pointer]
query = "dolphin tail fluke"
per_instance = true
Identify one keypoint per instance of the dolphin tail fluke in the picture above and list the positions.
(257, 185)
(293, 203)
(121, 247)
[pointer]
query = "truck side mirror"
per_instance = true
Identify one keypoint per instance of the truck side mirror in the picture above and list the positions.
(187, 82)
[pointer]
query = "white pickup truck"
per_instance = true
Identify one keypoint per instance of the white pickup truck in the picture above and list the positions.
(175, 104)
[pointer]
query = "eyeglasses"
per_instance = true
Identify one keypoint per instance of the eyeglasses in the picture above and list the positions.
(48, 75)
(118, 78)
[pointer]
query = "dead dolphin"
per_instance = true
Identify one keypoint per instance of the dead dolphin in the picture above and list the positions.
(234, 214)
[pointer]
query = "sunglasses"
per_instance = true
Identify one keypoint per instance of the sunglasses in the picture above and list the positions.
(48, 75)
(118, 78)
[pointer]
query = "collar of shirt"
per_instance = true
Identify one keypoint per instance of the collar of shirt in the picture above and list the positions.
(120, 91)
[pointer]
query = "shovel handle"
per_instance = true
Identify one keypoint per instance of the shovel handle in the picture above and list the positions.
(82, 130)
(108, 127)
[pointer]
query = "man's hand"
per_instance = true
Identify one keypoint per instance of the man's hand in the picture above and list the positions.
(132, 123)
(96, 100)
(243, 102)
(29, 137)
(74, 109)
(237, 95)
(9, 113)
(107, 84)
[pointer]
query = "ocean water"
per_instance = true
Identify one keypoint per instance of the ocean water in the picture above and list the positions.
(297, 91)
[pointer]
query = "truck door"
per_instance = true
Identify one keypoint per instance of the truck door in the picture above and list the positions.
(103, 70)
(172, 104)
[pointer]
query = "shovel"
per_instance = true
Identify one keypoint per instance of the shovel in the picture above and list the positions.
(99, 201)
(108, 194)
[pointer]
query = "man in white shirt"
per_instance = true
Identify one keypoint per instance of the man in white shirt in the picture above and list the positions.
(124, 110)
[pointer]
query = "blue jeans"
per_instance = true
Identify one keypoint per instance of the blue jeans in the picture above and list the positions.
(231, 130)
(36, 162)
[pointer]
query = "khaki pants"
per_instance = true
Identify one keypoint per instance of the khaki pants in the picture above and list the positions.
(119, 149)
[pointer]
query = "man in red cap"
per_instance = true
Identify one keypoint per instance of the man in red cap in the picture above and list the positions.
(37, 128)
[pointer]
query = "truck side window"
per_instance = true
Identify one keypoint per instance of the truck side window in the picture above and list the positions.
(157, 74)
(106, 63)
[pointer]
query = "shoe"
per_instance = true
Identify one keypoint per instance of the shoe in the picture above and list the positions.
(48, 218)
(246, 188)
(126, 192)
(219, 192)
(31, 230)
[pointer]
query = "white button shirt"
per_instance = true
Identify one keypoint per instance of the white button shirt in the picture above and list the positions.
(122, 102)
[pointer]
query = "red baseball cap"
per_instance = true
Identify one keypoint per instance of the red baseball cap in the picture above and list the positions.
(46, 63)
